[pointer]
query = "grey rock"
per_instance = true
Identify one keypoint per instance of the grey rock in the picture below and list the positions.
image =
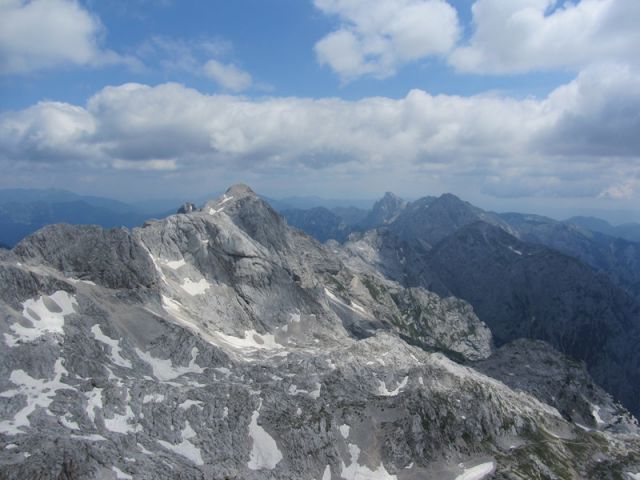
(384, 211)
(187, 208)
(233, 346)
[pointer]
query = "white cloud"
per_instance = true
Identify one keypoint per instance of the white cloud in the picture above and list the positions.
(182, 54)
(228, 76)
(622, 191)
(507, 146)
(40, 34)
(518, 36)
(47, 132)
(378, 36)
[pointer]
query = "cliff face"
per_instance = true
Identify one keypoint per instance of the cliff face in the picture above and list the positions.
(221, 343)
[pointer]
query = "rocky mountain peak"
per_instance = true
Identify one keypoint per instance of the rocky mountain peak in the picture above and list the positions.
(240, 190)
(187, 207)
(384, 211)
(225, 344)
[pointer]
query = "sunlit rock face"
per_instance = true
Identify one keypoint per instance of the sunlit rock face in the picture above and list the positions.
(221, 343)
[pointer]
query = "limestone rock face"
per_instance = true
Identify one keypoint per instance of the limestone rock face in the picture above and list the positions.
(225, 344)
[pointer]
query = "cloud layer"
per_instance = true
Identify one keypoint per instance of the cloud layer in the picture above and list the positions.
(580, 140)
(40, 34)
(376, 37)
(519, 36)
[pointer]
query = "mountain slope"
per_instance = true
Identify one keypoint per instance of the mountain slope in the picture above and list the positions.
(618, 258)
(627, 231)
(528, 291)
(319, 222)
(222, 343)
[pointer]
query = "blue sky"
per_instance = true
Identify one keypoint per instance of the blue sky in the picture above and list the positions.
(530, 104)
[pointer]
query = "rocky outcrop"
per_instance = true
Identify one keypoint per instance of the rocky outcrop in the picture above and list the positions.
(384, 211)
(252, 351)
(187, 208)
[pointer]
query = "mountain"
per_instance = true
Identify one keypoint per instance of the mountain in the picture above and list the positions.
(627, 231)
(431, 219)
(578, 295)
(26, 195)
(25, 211)
(319, 222)
(222, 343)
(614, 256)
(384, 211)
(527, 291)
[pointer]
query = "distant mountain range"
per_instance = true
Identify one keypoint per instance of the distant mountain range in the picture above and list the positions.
(525, 275)
(23, 211)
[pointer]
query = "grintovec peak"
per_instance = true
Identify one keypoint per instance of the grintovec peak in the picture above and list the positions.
(240, 190)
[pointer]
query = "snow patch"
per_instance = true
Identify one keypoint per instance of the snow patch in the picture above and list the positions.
(94, 400)
(382, 388)
(68, 423)
(46, 315)
(121, 423)
(195, 288)
(478, 472)
(153, 397)
(187, 404)
(78, 280)
(315, 393)
(354, 307)
(517, 252)
(264, 450)
(175, 264)
(94, 437)
(185, 447)
(596, 415)
(344, 430)
(327, 473)
(164, 370)
(252, 340)
(362, 472)
(38, 393)
(120, 475)
(225, 199)
(114, 346)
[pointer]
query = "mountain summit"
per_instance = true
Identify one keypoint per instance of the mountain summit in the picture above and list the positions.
(222, 343)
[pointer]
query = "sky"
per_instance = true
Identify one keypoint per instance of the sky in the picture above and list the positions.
(530, 105)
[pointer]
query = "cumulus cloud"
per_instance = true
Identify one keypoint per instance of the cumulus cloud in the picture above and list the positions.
(40, 34)
(378, 36)
(228, 76)
(519, 36)
(508, 146)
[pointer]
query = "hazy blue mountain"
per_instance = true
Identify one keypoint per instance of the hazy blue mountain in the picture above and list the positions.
(628, 231)
(312, 201)
(319, 222)
(428, 220)
(615, 256)
(531, 291)
(26, 195)
(23, 211)
(526, 276)
(350, 215)
(384, 211)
